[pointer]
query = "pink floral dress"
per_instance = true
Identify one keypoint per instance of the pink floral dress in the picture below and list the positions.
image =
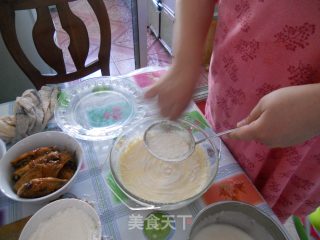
(260, 46)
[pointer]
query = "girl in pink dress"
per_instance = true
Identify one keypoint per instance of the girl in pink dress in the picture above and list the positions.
(265, 79)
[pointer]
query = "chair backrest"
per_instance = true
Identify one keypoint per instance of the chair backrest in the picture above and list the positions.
(43, 36)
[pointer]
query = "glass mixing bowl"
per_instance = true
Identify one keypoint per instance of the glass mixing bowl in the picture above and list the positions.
(154, 171)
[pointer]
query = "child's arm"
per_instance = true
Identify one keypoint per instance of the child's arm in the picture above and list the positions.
(284, 117)
(175, 89)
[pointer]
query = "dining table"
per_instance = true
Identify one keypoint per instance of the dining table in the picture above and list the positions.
(95, 185)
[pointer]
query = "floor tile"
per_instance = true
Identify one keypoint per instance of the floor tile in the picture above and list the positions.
(110, 3)
(125, 66)
(151, 38)
(114, 70)
(119, 13)
(154, 45)
(70, 67)
(159, 59)
(83, 10)
(119, 53)
(123, 35)
(92, 55)
(119, 32)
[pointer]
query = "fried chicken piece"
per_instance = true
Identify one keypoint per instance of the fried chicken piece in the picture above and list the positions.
(39, 187)
(68, 170)
(39, 171)
(24, 159)
(46, 158)
(65, 157)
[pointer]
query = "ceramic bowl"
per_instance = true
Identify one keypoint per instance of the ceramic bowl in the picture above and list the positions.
(61, 205)
(51, 138)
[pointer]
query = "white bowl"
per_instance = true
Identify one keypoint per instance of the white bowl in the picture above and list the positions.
(51, 209)
(42, 139)
(2, 148)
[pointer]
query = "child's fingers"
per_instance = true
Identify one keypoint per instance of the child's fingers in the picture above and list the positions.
(165, 110)
(248, 127)
(176, 111)
(152, 92)
(246, 132)
(253, 115)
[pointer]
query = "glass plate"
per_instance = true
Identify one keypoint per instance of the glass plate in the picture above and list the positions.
(99, 108)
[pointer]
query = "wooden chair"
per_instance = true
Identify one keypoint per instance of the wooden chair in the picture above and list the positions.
(43, 37)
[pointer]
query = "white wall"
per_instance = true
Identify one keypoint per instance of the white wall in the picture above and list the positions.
(12, 80)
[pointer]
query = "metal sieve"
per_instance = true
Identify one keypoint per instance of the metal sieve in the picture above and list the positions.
(171, 141)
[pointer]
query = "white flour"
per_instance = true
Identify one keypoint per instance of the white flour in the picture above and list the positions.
(70, 224)
(160, 181)
(169, 144)
(221, 231)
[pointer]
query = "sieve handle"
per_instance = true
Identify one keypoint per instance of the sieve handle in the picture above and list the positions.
(216, 135)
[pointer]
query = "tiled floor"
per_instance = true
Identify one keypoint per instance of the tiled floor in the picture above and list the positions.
(122, 54)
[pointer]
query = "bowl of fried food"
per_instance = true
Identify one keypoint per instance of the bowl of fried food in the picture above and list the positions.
(40, 167)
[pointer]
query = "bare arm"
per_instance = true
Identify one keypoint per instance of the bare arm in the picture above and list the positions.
(191, 27)
(175, 89)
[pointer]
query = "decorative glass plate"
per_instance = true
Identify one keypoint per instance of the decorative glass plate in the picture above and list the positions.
(99, 108)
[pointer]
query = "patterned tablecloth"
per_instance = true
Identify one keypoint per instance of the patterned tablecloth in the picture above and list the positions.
(118, 222)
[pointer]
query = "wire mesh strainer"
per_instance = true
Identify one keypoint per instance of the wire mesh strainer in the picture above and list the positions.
(172, 141)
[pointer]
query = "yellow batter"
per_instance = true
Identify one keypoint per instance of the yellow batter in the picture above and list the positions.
(159, 181)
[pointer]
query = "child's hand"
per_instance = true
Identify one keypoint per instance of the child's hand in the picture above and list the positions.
(174, 90)
(282, 118)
